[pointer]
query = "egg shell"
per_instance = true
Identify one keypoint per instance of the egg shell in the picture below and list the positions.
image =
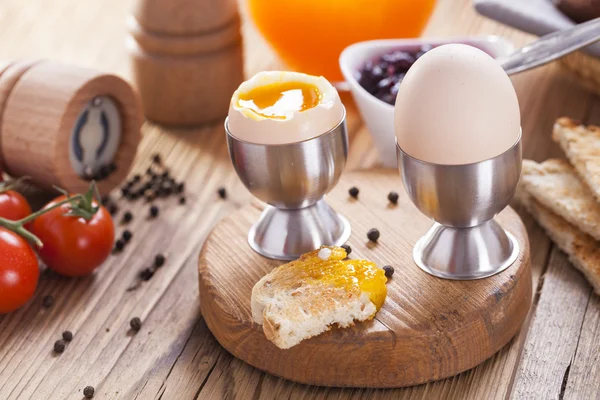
(297, 126)
(456, 105)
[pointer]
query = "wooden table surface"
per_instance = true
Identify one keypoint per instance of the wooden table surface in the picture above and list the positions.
(174, 356)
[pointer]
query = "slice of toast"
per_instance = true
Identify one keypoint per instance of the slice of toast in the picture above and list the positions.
(556, 186)
(581, 144)
(306, 297)
(582, 249)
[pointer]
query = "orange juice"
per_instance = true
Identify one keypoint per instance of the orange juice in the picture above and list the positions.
(310, 34)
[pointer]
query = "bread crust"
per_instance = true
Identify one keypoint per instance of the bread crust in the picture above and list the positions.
(581, 145)
(583, 251)
(556, 186)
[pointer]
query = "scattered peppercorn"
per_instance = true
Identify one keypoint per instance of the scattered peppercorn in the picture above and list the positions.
(125, 191)
(156, 159)
(373, 234)
(353, 191)
(347, 248)
(113, 209)
(222, 193)
(119, 245)
(67, 336)
(159, 260)
(180, 187)
(389, 271)
(153, 211)
(393, 197)
(127, 235)
(127, 217)
(47, 301)
(136, 324)
(59, 346)
(182, 200)
(146, 274)
(136, 178)
(88, 392)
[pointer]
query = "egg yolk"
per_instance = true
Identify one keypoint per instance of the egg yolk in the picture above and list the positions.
(276, 100)
(354, 276)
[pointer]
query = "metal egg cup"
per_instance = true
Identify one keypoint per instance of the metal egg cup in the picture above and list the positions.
(465, 242)
(293, 180)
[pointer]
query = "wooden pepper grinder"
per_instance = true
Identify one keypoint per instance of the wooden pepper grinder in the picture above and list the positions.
(186, 58)
(64, 125)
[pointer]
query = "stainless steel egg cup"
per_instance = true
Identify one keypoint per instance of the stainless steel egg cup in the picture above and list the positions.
(465, 242)
(293, 179)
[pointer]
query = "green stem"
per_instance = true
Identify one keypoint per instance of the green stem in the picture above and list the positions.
(36, 214)
(18, 228)
(21, 231)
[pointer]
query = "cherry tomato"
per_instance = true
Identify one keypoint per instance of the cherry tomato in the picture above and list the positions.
(72, 245)
(13, 205)
(19, 271)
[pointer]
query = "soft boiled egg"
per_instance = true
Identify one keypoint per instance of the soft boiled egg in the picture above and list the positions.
(456, 105)
(276, 107)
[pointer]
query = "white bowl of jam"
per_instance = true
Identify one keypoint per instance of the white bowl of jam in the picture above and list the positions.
(374, 70)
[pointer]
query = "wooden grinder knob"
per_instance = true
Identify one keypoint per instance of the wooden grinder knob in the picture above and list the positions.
(186, 58)
(65, 125)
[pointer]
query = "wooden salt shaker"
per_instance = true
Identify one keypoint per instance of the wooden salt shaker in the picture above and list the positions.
(65, 125)
(186, 58)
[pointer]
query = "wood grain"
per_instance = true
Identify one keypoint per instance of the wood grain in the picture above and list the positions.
(43, 103)
(554, 333)
(190, 364)
(429, 328)
(186, 59)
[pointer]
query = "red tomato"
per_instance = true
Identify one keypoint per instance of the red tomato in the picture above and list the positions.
(13, 205)
(72, 245)
(19, 271)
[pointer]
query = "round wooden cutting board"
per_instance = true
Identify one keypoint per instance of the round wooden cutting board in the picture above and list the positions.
(429, 328)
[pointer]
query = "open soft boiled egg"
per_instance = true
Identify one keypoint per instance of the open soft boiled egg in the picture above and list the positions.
(456, 105)
(277, 107)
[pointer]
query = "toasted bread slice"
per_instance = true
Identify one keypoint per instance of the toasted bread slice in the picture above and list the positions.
(556, 186)
(581, 144)
(582, 249)
(306, 297)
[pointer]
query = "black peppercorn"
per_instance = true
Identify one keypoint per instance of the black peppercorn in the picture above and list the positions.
(125, 191)
(159, 260)
(59, 346)
(146, 274)
(156, 158)
(113, 209)
(153, 211)
(127, 235)
(393, 197)
(222, 193)
(180, 187)
(373, 234)
(47, 301)
(182, 200)
(136, 324)
(165, 173)
(389, 271)
(347, 248)
(67, 336)
(127, 217)
(88, 392)
(119, 245)
(136, 178)
(353, 191)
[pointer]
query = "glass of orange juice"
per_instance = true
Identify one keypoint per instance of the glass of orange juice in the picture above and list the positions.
(309, 35)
